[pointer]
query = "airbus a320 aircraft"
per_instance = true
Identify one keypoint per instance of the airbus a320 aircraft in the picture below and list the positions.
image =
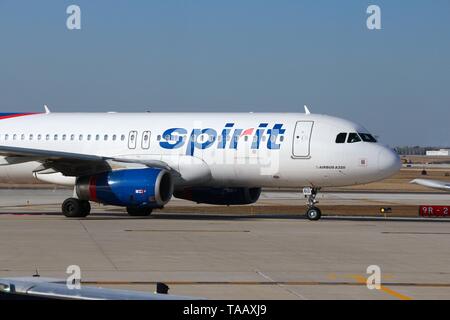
(139, 160)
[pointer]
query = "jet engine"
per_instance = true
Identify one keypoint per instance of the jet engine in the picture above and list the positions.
(139, 188)
(220, 196)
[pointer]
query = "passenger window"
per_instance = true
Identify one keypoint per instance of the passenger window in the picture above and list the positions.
(353, 137)
(145, 144)
(114, 137)
(341, 137)
(47, 137)
(89, 137)
(122, 137)
(39, 136)
(105, 137)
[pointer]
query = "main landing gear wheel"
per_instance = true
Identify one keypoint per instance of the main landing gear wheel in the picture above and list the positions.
(75, 208)
(139, 212)
(313, 213)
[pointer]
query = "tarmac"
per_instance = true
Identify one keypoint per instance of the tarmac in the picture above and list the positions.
(231, 256)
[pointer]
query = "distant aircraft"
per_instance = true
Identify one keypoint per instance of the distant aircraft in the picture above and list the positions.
(435, 184)
(49, 288)
(139, 160)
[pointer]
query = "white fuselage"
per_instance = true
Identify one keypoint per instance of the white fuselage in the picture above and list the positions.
(208, 149)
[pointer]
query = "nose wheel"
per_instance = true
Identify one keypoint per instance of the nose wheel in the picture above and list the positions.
(313, 213)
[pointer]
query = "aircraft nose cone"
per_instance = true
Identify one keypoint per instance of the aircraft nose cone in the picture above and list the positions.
(389, 162)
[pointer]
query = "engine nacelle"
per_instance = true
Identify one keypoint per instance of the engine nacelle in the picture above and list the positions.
(150, 187)
(220, 196)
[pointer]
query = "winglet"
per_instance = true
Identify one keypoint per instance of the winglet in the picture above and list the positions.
(47, 110)
(307, 110)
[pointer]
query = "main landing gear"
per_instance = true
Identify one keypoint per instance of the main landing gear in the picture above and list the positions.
(75, 208)
(313, 213)
(139, 212)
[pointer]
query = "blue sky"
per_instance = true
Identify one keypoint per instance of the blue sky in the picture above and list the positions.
(248, 55)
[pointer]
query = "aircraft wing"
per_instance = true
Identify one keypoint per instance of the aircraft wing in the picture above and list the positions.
(49, 288)
(68, 163)
(435, 184)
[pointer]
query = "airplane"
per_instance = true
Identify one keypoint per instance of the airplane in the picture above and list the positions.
(37, 288)
(140, 160)
(435, 184)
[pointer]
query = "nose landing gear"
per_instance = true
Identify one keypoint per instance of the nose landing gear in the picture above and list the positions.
(313, 213)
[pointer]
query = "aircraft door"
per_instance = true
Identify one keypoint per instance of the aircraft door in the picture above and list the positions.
(302, 139)
(146, 139)
(132, 137)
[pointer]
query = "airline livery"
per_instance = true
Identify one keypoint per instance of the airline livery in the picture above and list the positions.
(140, 160)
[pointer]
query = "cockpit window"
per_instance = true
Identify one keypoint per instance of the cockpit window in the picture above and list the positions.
(353, 137)
(341, 137)
(367, 137)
